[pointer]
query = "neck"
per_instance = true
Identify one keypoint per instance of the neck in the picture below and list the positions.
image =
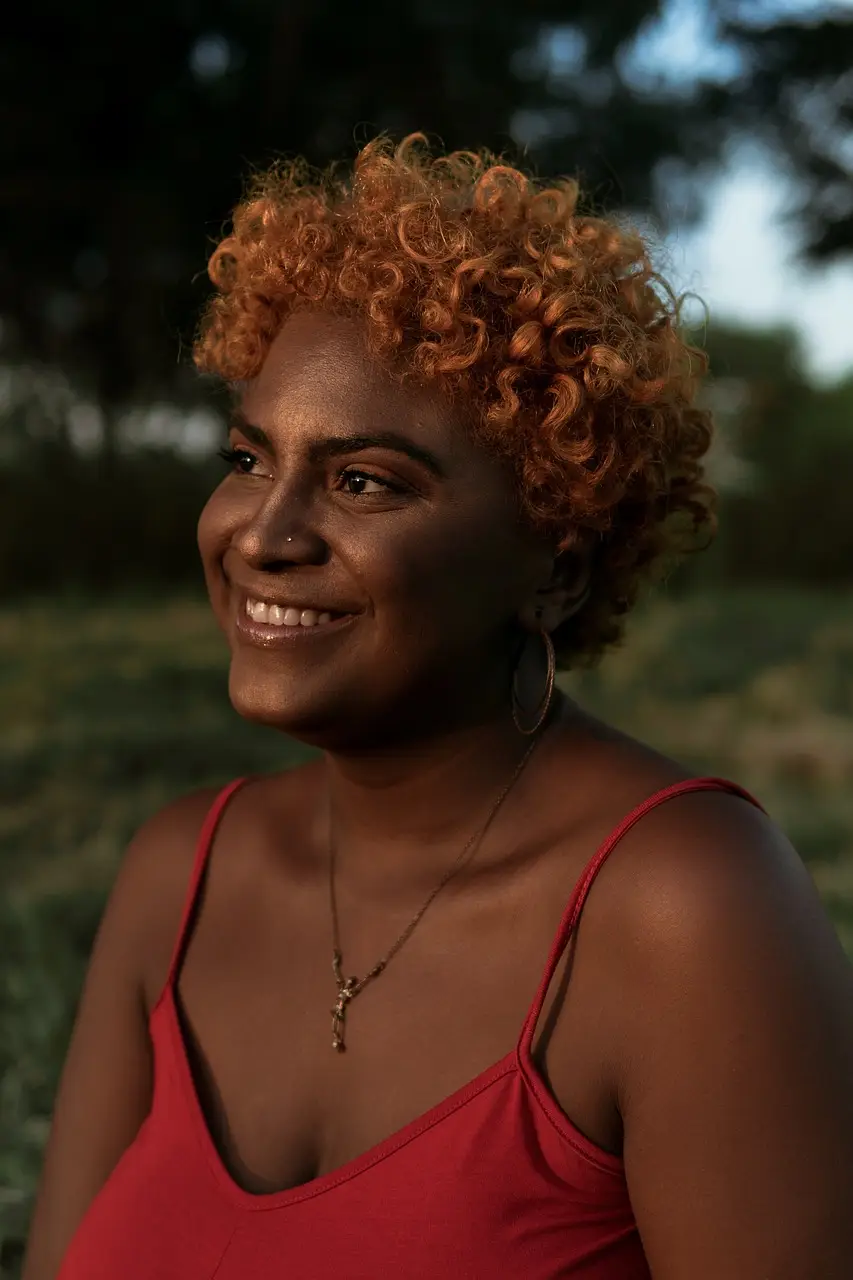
(400, 813)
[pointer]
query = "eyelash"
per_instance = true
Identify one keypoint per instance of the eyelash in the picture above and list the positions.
(232, 457)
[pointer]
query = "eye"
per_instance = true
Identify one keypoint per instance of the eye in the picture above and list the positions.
(240, 460)
(361, 484)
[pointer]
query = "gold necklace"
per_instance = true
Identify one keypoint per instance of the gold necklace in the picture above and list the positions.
(349, 988)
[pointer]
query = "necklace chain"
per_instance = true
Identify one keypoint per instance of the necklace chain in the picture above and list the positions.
(349, 988)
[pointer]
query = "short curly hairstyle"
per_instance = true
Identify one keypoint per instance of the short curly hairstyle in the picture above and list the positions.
(549, 328)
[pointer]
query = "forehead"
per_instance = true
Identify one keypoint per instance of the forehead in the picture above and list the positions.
(318, 368)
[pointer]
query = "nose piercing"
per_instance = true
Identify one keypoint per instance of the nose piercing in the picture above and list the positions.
(288, 538)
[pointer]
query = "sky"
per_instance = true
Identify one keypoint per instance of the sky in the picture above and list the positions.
(753, 277)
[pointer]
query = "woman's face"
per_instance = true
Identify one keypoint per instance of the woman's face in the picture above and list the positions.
(354, 496)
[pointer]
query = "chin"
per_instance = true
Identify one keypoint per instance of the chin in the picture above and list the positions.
(272, 702)
(317, 717)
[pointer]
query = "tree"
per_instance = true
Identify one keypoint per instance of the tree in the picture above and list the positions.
(786, 517)
(126, 132)
(795, 93)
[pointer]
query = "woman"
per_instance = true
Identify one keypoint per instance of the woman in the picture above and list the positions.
(347, 1021)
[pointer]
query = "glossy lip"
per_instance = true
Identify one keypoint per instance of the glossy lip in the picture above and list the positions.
(269, 636)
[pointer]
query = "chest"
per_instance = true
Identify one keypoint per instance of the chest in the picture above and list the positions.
(257, 997)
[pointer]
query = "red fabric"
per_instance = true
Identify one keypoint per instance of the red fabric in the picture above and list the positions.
(493, 1182)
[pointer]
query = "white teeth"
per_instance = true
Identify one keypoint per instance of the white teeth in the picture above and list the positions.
(291, 616)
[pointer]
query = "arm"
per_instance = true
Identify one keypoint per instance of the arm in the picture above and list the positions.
(736, 1082)
(105, 1090)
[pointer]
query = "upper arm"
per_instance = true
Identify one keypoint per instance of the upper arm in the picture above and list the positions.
(737, 1079)
(105, 1088)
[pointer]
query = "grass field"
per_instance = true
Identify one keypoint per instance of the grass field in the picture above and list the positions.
(108, 711)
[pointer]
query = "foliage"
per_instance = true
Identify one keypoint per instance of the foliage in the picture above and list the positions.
(795, 94)
(128, 133)
(43, 950)
(791, 522)
(134, 527)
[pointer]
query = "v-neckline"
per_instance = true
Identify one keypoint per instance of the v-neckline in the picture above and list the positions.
(519, 1061)
(167, 1009)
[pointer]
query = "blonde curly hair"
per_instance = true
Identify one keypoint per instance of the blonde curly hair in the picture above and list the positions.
(550, 329)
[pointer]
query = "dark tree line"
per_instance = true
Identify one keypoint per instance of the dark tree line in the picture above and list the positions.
(126, 133)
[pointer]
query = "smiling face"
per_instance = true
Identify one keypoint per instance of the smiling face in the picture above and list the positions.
(383, 540)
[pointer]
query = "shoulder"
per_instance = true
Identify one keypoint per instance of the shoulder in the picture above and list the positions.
(706, 870)
(706, 886)
(156, 874)
(105, 1088)
(679, 862)
(149, 891)
(735, 1042)
(159, 856)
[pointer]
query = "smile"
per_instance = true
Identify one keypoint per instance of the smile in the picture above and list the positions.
(287, 616)
(259, 622)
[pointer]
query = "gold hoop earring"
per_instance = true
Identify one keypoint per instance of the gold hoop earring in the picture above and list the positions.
(545, 701)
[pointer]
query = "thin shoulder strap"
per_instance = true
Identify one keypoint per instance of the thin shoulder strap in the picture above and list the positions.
(202, 852)
(576, 902)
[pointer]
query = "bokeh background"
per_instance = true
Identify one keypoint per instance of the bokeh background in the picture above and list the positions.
(723, 128)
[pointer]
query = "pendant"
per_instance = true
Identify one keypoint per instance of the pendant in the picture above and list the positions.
(347, 989)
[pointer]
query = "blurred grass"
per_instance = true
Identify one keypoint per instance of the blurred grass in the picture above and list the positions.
(110, 710)
(756, 686)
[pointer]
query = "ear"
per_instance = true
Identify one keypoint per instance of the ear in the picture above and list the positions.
(562, 596)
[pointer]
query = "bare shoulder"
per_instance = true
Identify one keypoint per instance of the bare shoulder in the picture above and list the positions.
(105, 1088)
(720, 1004)
(708, 871)
(687, 863)
(736, 1046)
(151, 885)
(250, 826)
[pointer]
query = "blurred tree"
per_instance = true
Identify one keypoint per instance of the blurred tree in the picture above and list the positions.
(126, 132)
(790, 518)
(795, 93)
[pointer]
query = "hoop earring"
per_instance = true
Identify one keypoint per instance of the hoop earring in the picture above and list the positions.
(545, 701)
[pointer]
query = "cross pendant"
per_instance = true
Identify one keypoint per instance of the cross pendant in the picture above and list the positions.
(347, 990)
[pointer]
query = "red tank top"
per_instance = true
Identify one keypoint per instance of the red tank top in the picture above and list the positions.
(494, 1182)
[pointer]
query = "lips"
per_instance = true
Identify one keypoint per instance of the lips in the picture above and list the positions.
(269, 623)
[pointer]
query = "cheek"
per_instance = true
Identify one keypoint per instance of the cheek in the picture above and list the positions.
(213, 535)
(465, 573)
(213, 530)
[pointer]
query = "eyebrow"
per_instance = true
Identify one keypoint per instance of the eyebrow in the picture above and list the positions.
(334, 446)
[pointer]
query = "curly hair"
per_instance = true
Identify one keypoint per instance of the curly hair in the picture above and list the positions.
(549, 328)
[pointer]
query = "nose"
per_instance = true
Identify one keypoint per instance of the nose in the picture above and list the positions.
(280, 535)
